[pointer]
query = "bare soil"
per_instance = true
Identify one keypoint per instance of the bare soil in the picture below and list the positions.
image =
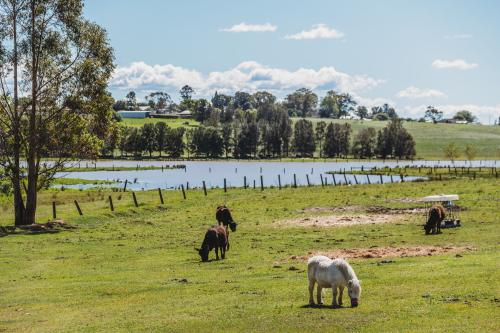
(344, 220)
(387, 252)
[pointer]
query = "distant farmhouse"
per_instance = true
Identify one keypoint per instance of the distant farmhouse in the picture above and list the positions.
(134, 114)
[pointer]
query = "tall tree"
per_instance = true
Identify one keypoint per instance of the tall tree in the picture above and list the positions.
(161, 130)
(159, 100)
(328, 106)
(149, 138)
(60, 63)
(243, 100)
(470, 152)
(131, 100)
(365, 142)
(319, 135)
(362, 112)
(303, 138)
(433, 114)
(301, 103)
(451, 152)
(186, 92)
(346, 104)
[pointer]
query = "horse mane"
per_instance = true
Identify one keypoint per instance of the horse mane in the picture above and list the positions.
(345, 269)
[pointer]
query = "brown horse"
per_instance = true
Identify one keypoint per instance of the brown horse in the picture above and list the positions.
(215, 238)
(436, 216)
(223, 216)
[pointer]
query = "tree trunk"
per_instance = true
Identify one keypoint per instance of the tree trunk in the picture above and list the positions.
(31, 196)
(16, 168)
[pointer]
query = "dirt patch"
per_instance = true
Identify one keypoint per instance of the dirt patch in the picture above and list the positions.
(368, 209)
(343, 220)
(388, 252)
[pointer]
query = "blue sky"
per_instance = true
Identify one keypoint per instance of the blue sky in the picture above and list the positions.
(408, 53)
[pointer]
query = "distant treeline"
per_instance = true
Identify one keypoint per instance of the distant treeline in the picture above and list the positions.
(263, 134)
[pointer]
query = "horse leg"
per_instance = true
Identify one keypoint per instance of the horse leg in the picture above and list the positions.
(223, 251)
(318, 295)
(227, 242)
(341, 292)
(311, 289)
(216, 251)
(334, 301)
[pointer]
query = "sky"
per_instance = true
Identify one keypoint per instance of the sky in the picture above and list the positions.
(409, 54)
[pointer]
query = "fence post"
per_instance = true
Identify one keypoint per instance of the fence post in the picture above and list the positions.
(381, 179)
(54, 215)
(254, 184)
(78, 208)
(321, 176)
(368, 179)
(204, 188)
(334, 181)
(355, 179)
(295, 180)
(261, 183)
(402, 178)
(279, 181)
(111, 204)
(183, 192)
(187, 185)
(345, 178)
(161, 195)
(135, 199)
(125, 186)
(392, 180)
(245, 182)
(307, 178)
(225, 188)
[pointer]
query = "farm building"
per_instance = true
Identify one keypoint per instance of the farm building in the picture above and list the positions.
(134, 114)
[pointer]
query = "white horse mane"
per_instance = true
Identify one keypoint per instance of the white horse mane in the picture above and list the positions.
(345, 269)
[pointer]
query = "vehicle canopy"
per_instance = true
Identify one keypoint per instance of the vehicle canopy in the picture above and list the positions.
(440, 198)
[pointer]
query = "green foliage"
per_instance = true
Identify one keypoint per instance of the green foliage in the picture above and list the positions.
(303, 138)
(433, 114)
(337, 139)
(451, 152)
(301, 103)
(394, 140)
(364, 144)
(465, 115)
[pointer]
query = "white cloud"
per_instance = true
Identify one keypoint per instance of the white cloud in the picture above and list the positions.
(454, 64)
(244, 27)
(247, 76)
(484, 113)
(414, 92)
(318, 31)
(458, 36)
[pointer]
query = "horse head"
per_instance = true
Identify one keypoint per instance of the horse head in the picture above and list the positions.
(203, 252)
(354, 291)
(232, 226)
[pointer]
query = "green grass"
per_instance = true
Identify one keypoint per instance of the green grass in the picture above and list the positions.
(430, 138)
(125, 270)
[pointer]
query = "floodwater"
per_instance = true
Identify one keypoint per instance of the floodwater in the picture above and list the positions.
(236, 172)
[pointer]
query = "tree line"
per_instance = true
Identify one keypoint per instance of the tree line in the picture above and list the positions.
(261, 135)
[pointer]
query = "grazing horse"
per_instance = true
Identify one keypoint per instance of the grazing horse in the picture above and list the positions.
(335, 274)
(215, 238)
(223, 216)
(436, 216)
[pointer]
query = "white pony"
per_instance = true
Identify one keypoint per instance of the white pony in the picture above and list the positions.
(337, 273)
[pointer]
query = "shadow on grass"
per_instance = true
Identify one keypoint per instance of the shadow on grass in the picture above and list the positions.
(322, 307)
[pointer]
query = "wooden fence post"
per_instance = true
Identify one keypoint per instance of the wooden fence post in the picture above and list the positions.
(78, 208)
(295, 180)
(254, 184)
(225, 188)
(135, 199)
(368, 179)
(334, 181)
(183, 192)
(381, 179)
(392, 180)
(245, 182)
(125, 186)
(111, 204)
(161, 195)
(279, 181)
(261, 183)
(321, 177)
(345, 178)
(204, 188)
(355, 179)
(307, 178)
(54, 215)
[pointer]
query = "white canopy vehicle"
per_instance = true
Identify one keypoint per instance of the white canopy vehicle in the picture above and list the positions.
(452, 219)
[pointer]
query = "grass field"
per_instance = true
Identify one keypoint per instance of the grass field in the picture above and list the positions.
(430, 138)
(135, 269)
